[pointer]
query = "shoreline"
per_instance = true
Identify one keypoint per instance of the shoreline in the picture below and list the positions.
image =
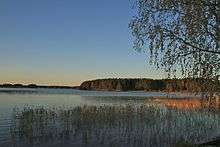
(37, 86)
(178, 100)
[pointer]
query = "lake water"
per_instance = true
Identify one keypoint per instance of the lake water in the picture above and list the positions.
(21, 98)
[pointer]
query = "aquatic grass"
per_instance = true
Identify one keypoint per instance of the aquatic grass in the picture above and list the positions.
(123, 125)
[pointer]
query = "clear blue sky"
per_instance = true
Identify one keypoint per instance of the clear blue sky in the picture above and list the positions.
(64, 42)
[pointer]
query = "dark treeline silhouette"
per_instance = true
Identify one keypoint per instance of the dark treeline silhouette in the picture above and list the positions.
(34, 86)
(170, 85)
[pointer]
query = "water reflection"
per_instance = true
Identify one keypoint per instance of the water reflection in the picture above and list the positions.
(110, 125)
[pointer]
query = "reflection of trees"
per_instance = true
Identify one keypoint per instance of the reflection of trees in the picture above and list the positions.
(111, 125)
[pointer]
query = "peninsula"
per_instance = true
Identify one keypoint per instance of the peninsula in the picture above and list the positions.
(169, 85)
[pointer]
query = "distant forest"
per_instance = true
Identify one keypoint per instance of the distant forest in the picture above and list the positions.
(170, 85)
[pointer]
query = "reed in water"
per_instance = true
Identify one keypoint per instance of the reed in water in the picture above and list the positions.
(124, 125)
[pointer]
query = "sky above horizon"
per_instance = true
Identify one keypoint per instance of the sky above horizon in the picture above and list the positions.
(54, 42)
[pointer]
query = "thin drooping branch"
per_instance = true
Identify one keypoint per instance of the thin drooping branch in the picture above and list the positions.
(190, 44)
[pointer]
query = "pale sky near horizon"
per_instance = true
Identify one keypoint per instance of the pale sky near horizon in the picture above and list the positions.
(54, 42)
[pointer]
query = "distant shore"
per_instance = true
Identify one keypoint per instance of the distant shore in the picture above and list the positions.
(138, 84)
(36, 86)
(188, 100)
(149, 85)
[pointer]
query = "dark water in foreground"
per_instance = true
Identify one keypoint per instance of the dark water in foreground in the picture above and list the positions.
(53, 117)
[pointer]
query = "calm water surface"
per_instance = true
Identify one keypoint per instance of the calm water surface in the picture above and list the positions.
(20, 98)
(11, 98)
